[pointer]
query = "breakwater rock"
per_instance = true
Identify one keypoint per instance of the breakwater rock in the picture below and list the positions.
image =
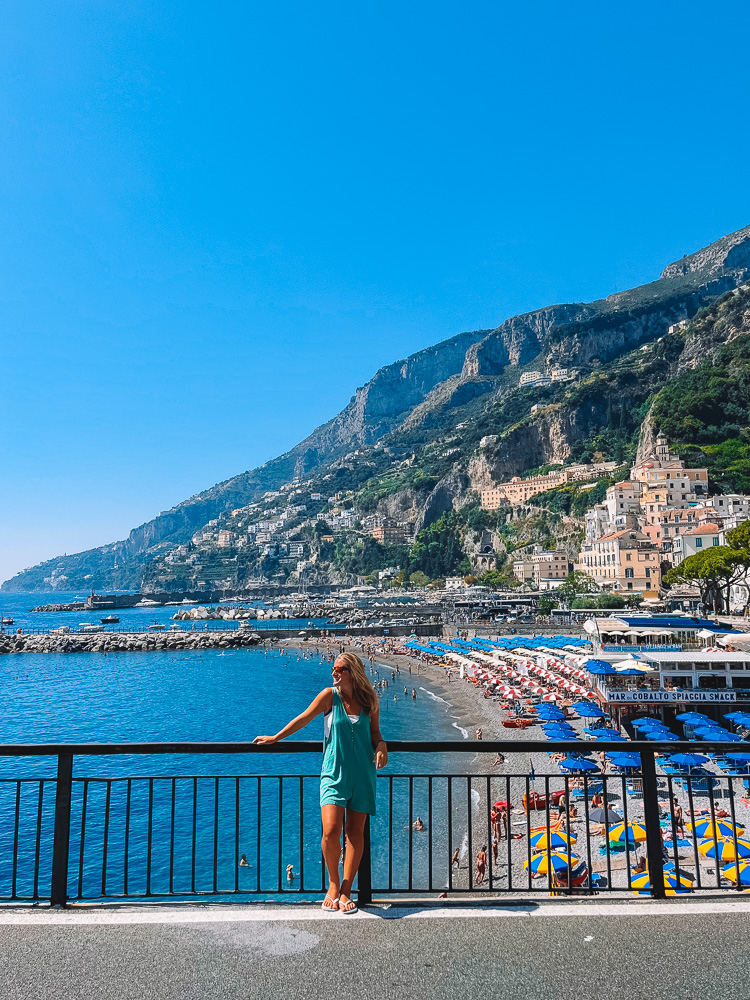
(204, 614)
(77, 606)
(124, 642)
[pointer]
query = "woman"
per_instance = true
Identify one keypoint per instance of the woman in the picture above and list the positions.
(347, 780)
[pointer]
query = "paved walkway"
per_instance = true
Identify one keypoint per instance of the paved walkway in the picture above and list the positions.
(639, 950)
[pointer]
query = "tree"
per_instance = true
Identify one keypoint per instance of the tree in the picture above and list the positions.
(610, 601)
(713, 572)
(419, 579)
(546, 604)
(575, 584)
(470, 580)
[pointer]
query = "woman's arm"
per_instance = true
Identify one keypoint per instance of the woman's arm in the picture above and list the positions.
(321, 704)
(378, 743)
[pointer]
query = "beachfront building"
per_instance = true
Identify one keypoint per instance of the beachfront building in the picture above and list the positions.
(623, 561)
(709, 681)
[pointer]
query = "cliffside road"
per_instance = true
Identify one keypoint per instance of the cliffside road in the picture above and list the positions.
(639, 950)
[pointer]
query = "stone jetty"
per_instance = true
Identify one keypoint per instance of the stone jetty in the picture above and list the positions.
(127, 642)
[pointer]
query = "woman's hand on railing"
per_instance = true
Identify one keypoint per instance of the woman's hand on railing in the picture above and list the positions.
(265, 739)
(381, 756)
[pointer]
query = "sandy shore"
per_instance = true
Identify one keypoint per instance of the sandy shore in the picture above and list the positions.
(474, 711)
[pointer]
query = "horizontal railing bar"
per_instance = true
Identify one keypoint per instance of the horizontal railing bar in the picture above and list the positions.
(394, 746)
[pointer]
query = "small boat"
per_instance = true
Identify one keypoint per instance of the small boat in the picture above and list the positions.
(7, 621)
(109, 620)
(156, 627)
(88, 627)
(146, 603)
(516, 723)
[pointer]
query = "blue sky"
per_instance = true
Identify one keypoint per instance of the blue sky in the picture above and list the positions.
(219, 220)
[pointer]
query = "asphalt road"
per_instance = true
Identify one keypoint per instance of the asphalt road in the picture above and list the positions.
(638, 951)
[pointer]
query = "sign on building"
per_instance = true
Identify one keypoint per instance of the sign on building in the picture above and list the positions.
(635, 697)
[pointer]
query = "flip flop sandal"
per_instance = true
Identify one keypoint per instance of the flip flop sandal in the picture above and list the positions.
(329, 909)
(353, 909)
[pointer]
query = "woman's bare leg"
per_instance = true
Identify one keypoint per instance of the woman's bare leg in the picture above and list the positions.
(355, 842)
(333, 819)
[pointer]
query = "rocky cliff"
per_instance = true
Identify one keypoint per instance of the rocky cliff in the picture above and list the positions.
(435, 406)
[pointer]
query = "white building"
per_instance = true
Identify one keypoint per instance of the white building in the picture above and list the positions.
(698, 539)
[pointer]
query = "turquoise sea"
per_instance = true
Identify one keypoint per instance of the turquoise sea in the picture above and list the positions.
(205, 810)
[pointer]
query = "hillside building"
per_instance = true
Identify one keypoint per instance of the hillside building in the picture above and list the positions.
(694, 540)
(623, 561)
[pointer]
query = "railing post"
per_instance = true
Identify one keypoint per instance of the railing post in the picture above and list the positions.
(653, 828)
(61, 841)
(364, 876)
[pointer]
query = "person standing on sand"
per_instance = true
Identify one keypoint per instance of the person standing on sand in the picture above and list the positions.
(481, 865)
(352, 739)
(455, 859)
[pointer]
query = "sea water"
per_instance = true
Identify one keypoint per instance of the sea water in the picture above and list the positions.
(194, 815)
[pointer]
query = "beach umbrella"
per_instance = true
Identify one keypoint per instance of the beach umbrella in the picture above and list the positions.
(692, 717)
(724, 850)
(709, 730)
(588, 711)
(604, 816)
(625, 759)
(739, 872)
(641, 884)
(571, 764)
(646, 721)
(633, 832)
(658, 736)
(740, 757)
(737, 716)
(600, 667)
(631, 672)
(604, 731)
(688, 759)
(718, 736)
(543, 839)
(549, 712)
(541, 863)
(715, 829)
(619, 738)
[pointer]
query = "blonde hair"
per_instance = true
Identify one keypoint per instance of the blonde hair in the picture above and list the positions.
(363, 690)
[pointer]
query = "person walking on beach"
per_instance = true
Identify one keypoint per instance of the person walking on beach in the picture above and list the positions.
(353, 749)
(481, 865)
(455, 859)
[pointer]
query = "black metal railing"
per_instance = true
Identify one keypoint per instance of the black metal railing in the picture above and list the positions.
(74, 836)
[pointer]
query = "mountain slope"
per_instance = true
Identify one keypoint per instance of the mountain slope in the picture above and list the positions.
(411, 408)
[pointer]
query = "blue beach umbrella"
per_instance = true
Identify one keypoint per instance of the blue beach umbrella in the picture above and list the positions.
(549, 712)
(587, 710)
(659, 737)
(600, 667)
(578, 765)
(692, 717)
(739, 870)
(739, 757)
(688, 759)
(645, 722)
(625, 759)
(604, 731)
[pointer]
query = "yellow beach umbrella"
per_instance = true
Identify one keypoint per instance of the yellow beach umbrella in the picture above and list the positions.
(715, 829)
(629, 831)
(641, 884)
(739, 871)
(541, 863)
(556, 839)
(724, 849)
